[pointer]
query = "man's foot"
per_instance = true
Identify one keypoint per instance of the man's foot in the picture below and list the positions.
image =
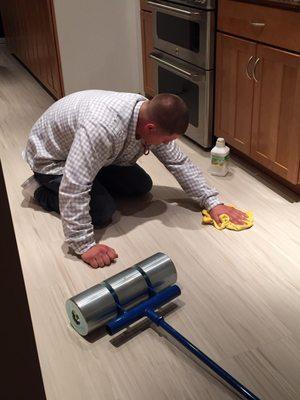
(30, 186)
(47, 199)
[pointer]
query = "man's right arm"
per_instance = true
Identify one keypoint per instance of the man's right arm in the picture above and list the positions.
(87, 155)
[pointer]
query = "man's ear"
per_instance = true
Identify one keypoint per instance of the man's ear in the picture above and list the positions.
(151, 128)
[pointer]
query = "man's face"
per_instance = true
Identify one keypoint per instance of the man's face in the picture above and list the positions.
(155, 136)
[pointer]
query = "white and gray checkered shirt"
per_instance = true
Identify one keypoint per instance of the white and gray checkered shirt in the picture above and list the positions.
(85, 131)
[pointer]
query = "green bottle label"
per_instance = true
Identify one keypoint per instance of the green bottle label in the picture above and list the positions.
(219, 160)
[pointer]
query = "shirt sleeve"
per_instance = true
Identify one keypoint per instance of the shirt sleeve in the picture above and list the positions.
(188, 175)
(90, 149)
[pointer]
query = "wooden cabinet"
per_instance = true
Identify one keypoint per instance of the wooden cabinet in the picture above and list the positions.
(274, 26)
(30, 31)
(276, 117)
(147, 48)
(234, 91)
(258, 94)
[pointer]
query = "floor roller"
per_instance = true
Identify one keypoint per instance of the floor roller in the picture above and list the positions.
(135, 293)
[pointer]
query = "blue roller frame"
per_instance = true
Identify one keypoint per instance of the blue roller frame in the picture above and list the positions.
(147, 309)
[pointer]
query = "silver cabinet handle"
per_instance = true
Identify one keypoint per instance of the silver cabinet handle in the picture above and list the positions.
(178, 10)
(183, 71)
(254, 68)
(247, 67)
(259, 24)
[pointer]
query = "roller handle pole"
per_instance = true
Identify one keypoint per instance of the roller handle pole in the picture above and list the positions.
(230, 380)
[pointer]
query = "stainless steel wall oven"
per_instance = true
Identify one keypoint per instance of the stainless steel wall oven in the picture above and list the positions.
(184, 33)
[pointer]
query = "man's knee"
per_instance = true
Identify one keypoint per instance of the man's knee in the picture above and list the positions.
(139, 182)
(101, 214)
(125, 181)
(144, 185)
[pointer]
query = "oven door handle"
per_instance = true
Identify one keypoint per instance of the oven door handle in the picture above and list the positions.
(183, 71)
(170, 8)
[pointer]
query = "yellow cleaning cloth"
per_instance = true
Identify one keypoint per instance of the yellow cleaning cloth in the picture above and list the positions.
(225, 221)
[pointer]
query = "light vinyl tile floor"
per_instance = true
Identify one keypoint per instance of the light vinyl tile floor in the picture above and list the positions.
(240, 299)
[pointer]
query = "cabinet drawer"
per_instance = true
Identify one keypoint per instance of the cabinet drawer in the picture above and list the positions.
(278, 27)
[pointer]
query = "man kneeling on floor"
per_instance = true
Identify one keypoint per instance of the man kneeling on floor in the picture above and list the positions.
(83, 152)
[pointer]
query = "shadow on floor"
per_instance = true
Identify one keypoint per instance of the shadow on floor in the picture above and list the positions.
(169, 205)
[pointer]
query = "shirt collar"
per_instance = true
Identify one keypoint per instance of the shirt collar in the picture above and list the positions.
(134, 119)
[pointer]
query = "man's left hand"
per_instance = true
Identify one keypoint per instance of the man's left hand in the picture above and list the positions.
(236, 216)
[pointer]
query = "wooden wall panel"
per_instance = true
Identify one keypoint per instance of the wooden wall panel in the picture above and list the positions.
(31, 35)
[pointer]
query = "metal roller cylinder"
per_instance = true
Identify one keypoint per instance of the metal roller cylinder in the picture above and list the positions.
(91, 309)
(160, 270)
(99, 304)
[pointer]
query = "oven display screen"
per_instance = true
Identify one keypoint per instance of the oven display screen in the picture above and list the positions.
(178, 31)
(170, 82)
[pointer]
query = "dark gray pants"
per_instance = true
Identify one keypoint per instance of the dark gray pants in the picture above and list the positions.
(110, 182)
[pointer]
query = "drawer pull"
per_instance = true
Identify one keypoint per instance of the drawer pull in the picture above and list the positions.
(247, 67)
(254, 69)
(258, 24)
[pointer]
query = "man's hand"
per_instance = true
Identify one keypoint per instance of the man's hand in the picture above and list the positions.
(236, 216)
(99, 256)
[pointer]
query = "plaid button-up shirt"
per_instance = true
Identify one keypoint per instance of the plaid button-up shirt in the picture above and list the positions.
(85, 131)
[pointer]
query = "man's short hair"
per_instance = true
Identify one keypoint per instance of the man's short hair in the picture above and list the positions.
(169, 112)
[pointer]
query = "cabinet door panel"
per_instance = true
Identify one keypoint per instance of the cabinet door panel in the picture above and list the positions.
(31, 33)
(234, 90)
(147, 47)
(276, 118)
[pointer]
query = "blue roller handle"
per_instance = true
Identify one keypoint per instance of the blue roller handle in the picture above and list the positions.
(146, 309)
(159, 321)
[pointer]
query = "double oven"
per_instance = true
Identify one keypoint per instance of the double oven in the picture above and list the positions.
(184, 36)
